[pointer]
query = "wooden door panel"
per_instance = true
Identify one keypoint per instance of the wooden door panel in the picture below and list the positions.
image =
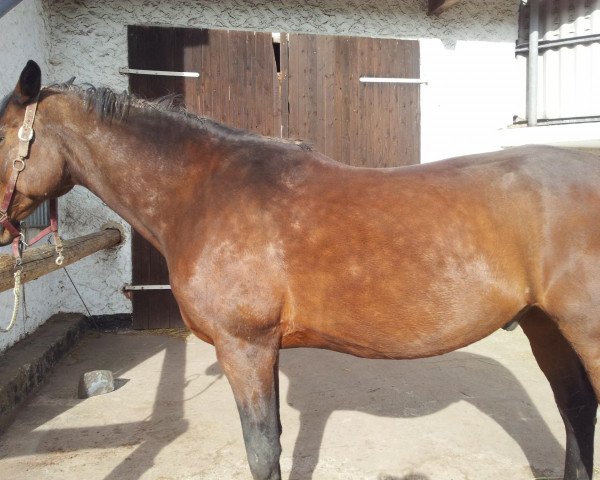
(238, 81)
(365, 124)
(317, 97)
(153, 48)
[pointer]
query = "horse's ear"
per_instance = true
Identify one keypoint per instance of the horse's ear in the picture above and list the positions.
(29, 84)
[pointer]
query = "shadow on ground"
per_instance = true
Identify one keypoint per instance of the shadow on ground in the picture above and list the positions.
(145, 435)
(320, 383)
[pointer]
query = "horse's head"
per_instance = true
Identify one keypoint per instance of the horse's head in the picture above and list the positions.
(44, 173)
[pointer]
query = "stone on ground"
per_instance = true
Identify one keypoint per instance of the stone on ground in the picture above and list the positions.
(96, 382)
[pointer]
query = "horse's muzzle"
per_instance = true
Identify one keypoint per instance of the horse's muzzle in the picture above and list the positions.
(5, 236)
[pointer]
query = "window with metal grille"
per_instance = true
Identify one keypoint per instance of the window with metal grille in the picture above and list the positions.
(567, 66)
(40, 218)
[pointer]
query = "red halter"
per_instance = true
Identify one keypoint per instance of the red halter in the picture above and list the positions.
(25, 136)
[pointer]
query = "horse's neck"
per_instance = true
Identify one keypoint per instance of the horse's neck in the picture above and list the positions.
(139, 177)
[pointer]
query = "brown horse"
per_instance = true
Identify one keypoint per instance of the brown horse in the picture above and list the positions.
(284, 247)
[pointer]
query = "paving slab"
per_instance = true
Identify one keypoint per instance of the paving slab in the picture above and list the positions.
(483, 412)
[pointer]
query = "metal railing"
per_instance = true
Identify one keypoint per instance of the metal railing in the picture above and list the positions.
(564, 76)
(40, 218)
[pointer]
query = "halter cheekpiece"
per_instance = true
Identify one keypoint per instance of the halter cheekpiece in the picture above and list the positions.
(26, 135)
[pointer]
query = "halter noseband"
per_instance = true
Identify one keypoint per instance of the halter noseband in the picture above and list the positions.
(25, 136)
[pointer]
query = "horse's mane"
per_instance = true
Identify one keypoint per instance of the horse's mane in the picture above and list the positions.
(110, 105)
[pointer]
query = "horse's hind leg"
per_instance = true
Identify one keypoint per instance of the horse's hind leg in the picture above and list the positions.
(572, 389)
(252, 370)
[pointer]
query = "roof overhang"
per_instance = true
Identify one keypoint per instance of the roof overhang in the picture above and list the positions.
(435, 6)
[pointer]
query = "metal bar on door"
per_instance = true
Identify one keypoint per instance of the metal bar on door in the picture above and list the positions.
(393, 80)
(133, 288)
(162, 73)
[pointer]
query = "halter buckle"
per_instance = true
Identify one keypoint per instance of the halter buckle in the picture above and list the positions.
(25, 133)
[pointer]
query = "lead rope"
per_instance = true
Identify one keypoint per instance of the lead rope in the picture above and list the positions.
(17, 289)
(17, 294)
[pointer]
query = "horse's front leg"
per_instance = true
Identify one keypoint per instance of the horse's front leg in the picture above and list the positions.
(251, 366)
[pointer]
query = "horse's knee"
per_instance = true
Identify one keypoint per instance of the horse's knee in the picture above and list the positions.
(253, 375)
(261, 428)
(264, 460)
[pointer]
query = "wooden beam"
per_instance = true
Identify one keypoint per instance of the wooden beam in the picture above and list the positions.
(438, 6)
(39, 261)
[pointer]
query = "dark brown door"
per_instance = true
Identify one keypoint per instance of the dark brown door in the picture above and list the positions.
(237, 85)
(372, 124)
(318, 87)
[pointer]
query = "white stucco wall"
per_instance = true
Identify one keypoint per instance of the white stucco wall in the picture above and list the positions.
(467, 56)
(23, 36)
(467, 53)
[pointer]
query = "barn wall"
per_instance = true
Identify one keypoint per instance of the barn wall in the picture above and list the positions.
(467, 52)
(467, 57)
(24, 35)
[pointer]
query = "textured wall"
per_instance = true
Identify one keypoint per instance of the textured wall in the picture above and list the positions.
(90, 37)
(23, 36)
(467, 52)
(467, 57)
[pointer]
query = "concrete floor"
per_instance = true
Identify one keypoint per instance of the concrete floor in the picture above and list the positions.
(484, 412)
